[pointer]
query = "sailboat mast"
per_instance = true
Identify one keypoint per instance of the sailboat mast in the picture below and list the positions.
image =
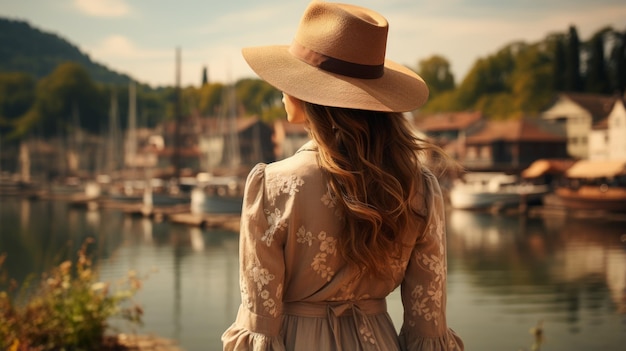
(112, 151)
(131, 141)
(177, 116)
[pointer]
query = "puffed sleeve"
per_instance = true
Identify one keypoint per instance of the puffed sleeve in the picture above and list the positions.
(423, 289)
(261, 272)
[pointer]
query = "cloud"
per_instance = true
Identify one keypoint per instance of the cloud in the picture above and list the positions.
(103, 8)
(120, 47)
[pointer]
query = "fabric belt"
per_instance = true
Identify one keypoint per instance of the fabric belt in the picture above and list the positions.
(359, 310)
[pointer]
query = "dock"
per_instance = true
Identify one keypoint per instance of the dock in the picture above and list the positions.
(229, 222)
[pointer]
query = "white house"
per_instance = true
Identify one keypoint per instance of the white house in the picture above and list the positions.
(617, 131)
(599, 141)
(577, 113)
(607, 140)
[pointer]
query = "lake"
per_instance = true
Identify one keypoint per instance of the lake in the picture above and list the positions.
(505, 273)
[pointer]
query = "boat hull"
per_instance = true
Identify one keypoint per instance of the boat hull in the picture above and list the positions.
(593, 198)
(464, 200)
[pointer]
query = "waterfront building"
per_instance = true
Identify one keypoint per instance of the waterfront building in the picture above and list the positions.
(576, 114)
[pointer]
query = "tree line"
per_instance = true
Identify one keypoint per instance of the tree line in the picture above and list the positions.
(519, 79)
(522, 79)
(69, 99)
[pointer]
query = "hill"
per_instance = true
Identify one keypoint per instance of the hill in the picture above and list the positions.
(27, 49)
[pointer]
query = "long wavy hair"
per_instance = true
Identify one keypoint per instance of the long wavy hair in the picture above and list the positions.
(374, 162)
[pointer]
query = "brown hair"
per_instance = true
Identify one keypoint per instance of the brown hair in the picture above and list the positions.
(374, 163)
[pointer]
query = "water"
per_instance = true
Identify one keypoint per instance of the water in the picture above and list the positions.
(506, 274)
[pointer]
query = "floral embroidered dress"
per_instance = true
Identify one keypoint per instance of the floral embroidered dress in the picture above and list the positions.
(299, 294)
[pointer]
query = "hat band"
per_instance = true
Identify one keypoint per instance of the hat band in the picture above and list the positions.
(334, 65)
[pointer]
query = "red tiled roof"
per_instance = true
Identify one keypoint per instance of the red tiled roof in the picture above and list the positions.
(447, 121)
(512, 130)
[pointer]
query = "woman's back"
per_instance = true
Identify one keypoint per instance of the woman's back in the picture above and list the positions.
(313, 296)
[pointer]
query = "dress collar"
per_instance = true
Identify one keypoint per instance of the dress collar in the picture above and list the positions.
(308, 146)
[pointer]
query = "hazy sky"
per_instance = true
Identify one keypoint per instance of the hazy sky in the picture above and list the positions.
(139, 37)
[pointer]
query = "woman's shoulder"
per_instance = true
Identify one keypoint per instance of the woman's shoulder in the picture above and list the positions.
(303, 162)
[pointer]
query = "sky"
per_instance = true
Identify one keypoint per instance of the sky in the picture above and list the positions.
(140, 37)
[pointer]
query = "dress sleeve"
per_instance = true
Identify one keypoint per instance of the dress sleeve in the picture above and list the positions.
(424, 286)
(261, 272)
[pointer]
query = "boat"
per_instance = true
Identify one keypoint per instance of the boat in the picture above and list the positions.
(223, 195)
(155, 192)
(493, 190)
(594, 185)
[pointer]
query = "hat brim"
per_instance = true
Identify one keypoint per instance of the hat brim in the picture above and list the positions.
(398, 90)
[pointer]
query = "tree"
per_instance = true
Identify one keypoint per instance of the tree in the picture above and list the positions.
(257, 96)
(530, 82)
(210, 98)
(596, 78)
(558, 62)
(205, 76)
(618, 63)
(17, 97)
(491, 75)
(573, 78)
(59, 95)
(435, 71)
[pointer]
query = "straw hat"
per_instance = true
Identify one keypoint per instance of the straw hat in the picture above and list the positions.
(337, 59)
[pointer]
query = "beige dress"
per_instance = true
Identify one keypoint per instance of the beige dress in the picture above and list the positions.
(299, 294)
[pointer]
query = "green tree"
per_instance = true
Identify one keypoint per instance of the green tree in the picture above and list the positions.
(205, 76)
(257, 97)
(530, 82)
(444, 102)
(573, 78)
(66, 90)
(596, 80)
(151, 106)
(17, 97)
(558, 62)
(491, 75)
(513, 82)
(617, 66)
(435, 71)
(210, 99)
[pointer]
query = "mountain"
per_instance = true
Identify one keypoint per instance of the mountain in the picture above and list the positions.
(27, 49)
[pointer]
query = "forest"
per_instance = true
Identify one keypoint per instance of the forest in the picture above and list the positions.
(51, 88)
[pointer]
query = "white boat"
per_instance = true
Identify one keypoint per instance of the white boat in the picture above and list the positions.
(218, 195)
(485, 190)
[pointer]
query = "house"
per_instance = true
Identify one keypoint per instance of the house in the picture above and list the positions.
(449, 129)
(510, 146)
(576, 114)
(599, 141)
(607, 139)
(617, 131)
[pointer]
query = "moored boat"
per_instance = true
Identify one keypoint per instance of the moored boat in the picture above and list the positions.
(594, 185)
(485, 190)
(218, 195)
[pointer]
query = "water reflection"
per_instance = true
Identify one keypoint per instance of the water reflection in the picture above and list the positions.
(506, 273)
(570, 273)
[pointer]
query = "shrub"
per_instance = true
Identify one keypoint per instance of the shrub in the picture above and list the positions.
(68, 310)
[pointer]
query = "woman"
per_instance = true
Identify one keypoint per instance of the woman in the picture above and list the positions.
(328, 233)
